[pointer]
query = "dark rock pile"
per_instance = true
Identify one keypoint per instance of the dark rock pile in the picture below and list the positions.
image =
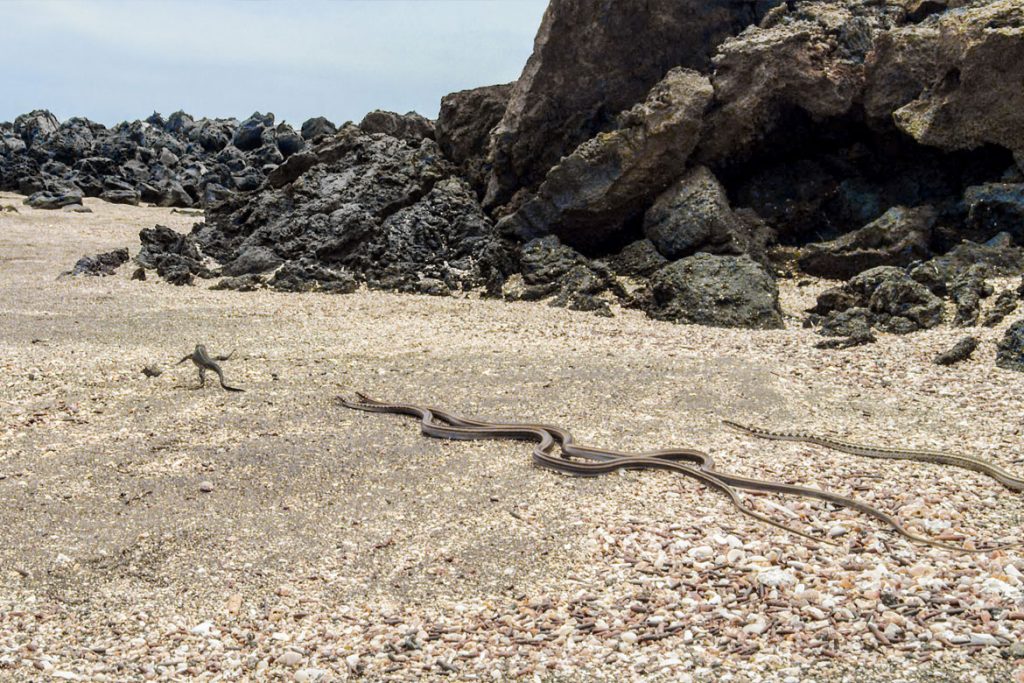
(177, 161)
(360, 207)
(666, 157)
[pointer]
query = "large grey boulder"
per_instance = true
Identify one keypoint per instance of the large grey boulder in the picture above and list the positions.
(592, 59)
(694, 215)
(590, 196)
(898, 237)
(721, 291)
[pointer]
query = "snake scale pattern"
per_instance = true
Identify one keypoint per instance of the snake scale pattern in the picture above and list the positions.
(581, 460)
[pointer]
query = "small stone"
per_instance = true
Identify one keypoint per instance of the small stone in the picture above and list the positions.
(352, 662)
(204, 629)
(234, 603)
(628, 637)
(206, 486)
(701, 552)
(984, 639)
(837, 531)
(290, 658)
(774, 578)
(1015, 651)
(310, 675)
(759, 626)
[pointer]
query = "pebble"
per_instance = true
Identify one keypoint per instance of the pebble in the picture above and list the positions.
(701, 552)
(206, 486)
(775, 578)
(290, 658)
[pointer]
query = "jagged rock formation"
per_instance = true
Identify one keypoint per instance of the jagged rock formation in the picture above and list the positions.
(362, 207)
(464, 128)
(591, 60)
(589, 197)
(177, 161)
(674, 143)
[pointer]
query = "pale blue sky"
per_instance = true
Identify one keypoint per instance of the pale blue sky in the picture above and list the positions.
(114, 60)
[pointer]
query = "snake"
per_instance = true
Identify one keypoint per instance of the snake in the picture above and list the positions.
(966, 462)
(689, 462)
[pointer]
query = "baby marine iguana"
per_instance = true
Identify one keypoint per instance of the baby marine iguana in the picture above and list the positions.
(204, 362)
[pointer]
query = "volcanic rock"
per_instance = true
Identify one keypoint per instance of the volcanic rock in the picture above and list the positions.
(591, 196)
(897, 238)
(464, 125)
(694, 215)
(410, 127)
(1010, 350)
(897, 303)
(591, 60)
(945, 81)
(317, 127)
(721, 291)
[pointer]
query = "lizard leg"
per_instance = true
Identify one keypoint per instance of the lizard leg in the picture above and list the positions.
(202, 377)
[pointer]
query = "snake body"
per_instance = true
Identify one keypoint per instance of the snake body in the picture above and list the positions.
(591, 461)
(938, 457)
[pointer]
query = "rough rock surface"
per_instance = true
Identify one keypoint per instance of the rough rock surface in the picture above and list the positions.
(967, 290)
(808, 61)
(368, 208)
(549, 268)
(1010, 353)
(103, 264)
(960, 351)
(955, 81)
(898, 237)
(464, 127)
(721, 291)
(411, 126)
(591, 196)
(639, 259)
(694, 215)
(591, 60)
(896, 302)
(179, 161)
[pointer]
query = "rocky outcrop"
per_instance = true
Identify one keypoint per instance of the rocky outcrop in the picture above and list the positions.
(549, 268)
(805, 62)
(694, 215)
(721, 291)
(411, 126)
(316, 128)
(1004, 305)
(176, 162)
(894, 302)
(955, 81)
(898, 237)
(464, 128)
(371, 208)
(994, 208)
(591, 60)
(590, 196)
(967, 290)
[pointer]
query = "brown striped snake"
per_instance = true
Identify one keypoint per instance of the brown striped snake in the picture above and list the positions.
(938, 457)
(591, 461)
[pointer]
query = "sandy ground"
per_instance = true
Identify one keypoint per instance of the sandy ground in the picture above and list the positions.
(336, 544)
